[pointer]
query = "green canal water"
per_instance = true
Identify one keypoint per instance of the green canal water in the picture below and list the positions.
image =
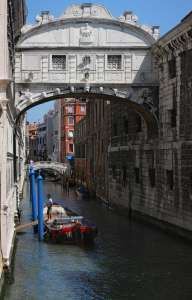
(128, 261)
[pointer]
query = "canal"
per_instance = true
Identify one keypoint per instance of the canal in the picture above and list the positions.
(128, 261)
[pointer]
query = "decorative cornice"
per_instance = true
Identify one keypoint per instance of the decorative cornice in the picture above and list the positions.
(33, 30)
(177, 40)
(91, 12)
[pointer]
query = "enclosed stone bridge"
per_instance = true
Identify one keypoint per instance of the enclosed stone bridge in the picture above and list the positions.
(61, 168)
(88, 53)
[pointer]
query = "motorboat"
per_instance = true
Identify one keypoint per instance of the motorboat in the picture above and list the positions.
(68, 227)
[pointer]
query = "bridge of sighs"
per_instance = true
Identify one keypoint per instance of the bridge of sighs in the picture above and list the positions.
(88, 53)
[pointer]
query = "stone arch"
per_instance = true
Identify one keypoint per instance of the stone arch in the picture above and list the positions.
(60, 168)
(137, 101)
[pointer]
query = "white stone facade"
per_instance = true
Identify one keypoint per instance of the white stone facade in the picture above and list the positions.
(11, 139)
(85, 48)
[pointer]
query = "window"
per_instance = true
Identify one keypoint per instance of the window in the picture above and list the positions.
(138, 123)
(71, 120)
(172, 68)
(70, 134)
(86, 75)
(86, 60)
(114, 129)
(70, 109)
(114, 62)
(152, 176)
(186, 61)
(58, 62)
(170, 179)
(71, 147)
(82, 108)
(137, 175)
(114, 171)
(124, 175)
(190, 183)
(172, 117)
(83, 151)
(174, 110)
(102, 145)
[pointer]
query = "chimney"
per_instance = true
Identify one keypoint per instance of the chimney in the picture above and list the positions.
(156, 32)
(128, 15)
(45, 16)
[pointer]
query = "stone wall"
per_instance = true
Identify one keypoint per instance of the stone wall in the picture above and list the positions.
(150, 176)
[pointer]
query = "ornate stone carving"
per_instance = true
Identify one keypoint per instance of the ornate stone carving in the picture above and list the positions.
(87, 10)
(86, 37)
(76, 12)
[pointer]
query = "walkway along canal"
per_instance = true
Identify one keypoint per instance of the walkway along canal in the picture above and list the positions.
(129, 260)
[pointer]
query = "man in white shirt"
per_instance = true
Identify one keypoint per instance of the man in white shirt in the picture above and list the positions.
(49, 206)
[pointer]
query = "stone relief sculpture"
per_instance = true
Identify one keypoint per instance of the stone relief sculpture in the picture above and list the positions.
(86, 37)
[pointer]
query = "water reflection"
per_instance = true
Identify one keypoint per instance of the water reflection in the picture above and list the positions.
(129, 260)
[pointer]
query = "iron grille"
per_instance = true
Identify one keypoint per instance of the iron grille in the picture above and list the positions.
(114, 62)
(59, 62)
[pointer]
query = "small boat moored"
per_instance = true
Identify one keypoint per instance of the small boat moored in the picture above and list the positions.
(72, 229)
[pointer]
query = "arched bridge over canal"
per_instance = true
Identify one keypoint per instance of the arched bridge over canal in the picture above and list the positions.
(61, 168)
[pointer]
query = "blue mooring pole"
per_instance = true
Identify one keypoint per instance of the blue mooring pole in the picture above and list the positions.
(30, 170)
(40, 208)
(33, 195)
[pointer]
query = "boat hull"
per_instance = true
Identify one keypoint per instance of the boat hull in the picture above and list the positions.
(73, 235)
(70, 229)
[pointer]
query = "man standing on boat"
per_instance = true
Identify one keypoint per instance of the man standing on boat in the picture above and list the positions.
(49, 206)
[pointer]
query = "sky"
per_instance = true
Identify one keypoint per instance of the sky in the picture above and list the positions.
(164, 13)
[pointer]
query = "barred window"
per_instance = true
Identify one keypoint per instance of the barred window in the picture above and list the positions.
(152, 173)
(172, 68)
(114, 171)
(114, 129)
(59, 62)
(137, 175)
(138, 123)
(114, 62)
(70, 120)
(170, 179)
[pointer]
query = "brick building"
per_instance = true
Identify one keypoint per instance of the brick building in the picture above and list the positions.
(81, 161)
(32, 140)
(72, 111)
(92, 136)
